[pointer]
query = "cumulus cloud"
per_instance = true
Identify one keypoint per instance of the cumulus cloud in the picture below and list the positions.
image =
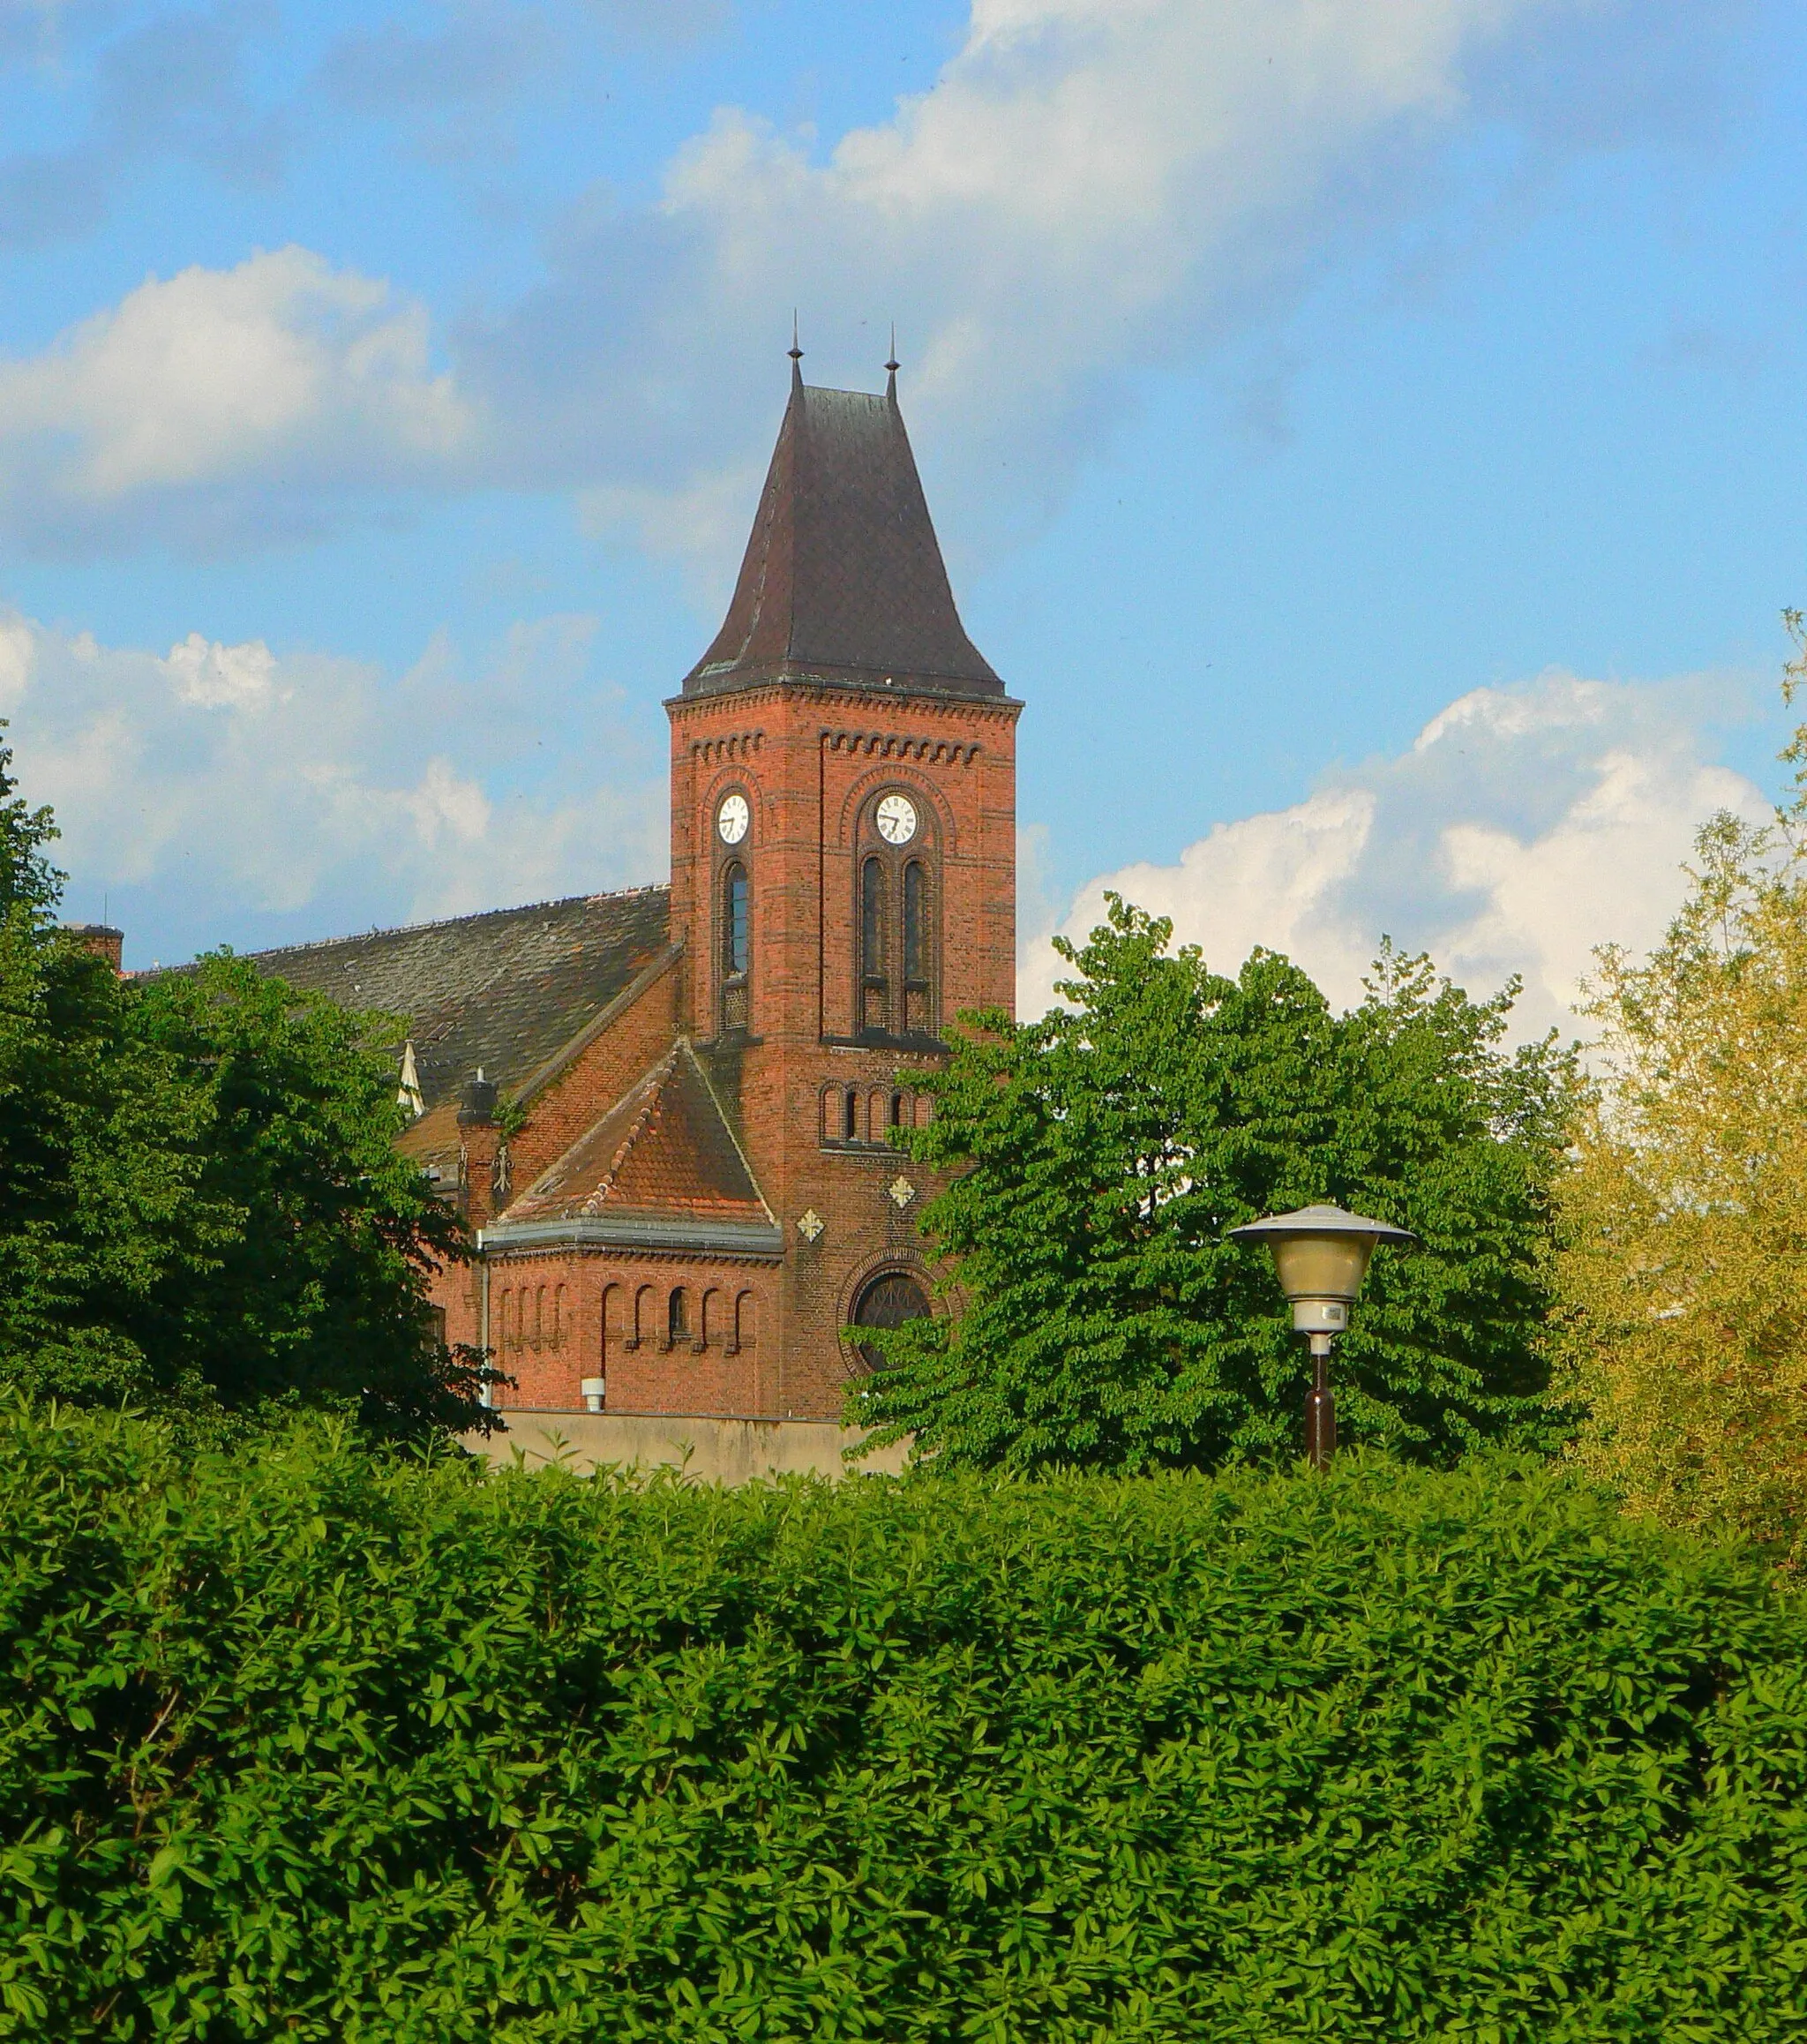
(281, 370)
(222, 793)
(1524, 827)
(1090, 187)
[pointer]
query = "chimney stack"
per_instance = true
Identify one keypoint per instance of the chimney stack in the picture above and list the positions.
(478, 1141)
(102, 940)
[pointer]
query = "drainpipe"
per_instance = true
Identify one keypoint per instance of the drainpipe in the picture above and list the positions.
(483, 1254)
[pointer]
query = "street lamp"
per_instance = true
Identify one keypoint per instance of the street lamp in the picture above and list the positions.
(1321, 1257)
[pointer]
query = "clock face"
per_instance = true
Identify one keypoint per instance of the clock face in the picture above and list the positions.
(896, 819)
(732, 818)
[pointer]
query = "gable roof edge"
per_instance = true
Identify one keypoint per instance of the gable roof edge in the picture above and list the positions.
(537, 1080)
(728, 1124)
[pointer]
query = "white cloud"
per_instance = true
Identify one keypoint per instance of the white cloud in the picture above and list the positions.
(217, 676)
(281, 370)
(225, 792)
(1090, 187)
(1524, 827)
(15, 661)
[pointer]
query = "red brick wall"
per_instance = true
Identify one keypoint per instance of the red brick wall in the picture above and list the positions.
(637, 1035)
(812, 760)
(558, 1317)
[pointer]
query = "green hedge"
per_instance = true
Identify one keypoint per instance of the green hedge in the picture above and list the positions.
(332, 1746)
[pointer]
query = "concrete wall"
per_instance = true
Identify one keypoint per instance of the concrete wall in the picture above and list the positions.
(710, 1450)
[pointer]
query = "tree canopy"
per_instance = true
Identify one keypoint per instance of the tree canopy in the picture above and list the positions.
(1683, 1265)
(201, 1207)
(1100, 1155)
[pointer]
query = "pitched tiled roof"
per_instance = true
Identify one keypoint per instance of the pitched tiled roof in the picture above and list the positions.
(507, 989)
(664, 1150)
(844, 575)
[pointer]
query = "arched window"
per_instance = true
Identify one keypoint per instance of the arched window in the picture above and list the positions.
(643, 1317)
(850, 1117)
(900, 1110)
(875, 967)
(919, 1018)
(737, 944)
(677, 1320)
(744, 1333)
(889, 1299)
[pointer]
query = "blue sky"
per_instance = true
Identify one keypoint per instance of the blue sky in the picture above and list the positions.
(384, 393)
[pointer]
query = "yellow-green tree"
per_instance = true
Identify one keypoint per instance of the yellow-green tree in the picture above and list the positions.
(1682, 1269)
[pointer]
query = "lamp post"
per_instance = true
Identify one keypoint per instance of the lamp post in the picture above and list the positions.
(1321, 1255)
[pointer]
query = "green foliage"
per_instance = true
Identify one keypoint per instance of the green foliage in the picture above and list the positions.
(1101, 1154)
(316, 1290)
(27, 879)
(201, 1208)
(323, 1745)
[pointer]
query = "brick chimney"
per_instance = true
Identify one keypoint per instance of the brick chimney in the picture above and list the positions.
(479, 1139)
(102, 940)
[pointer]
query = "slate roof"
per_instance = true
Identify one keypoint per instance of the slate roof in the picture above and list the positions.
(664, 1149)
(507, 989)
(843, 575)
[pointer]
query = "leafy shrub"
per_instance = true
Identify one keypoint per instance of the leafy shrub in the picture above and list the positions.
(324, 1744)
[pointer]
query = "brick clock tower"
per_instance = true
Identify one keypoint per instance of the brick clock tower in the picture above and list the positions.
(672, 1118)
(843, 866)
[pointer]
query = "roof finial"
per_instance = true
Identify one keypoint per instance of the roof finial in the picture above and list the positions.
(796, 354)
(891, 367)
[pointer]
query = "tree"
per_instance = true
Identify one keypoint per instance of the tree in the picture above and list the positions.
(1100, 1155)
(315, 1287)
(201, 1209)
(1684, 1267)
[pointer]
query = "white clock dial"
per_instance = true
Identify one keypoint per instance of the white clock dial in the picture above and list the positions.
(896, 819)
(732, 818)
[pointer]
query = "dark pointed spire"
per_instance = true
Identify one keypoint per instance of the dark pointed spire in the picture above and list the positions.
(891, 368)
(843, 578)
(796, 357)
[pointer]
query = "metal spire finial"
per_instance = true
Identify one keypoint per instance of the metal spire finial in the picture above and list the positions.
(894, 366)
(794, 351)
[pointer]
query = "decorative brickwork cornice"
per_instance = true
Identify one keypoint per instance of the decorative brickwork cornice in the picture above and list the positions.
(828, 691)
(891, 745)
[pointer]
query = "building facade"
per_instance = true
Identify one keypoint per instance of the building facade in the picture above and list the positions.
(671, 1116)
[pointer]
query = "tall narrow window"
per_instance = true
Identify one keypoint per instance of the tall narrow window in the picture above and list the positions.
(918, 1018)
(737, 945)
(876, 980)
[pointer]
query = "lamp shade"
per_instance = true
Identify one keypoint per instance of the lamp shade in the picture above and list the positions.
(1321, 1255)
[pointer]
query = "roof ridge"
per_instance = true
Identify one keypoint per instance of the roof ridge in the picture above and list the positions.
(654, 1080)
(575, 1045)
(446, 922)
